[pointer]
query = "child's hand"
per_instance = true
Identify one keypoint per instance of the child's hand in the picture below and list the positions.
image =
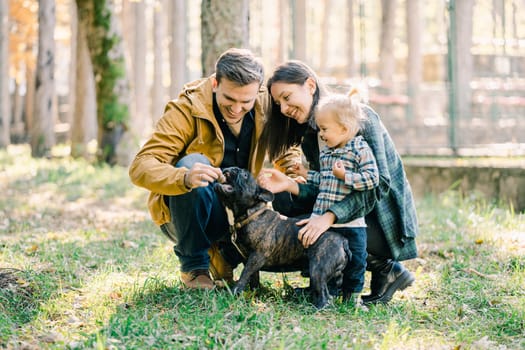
(338, 170)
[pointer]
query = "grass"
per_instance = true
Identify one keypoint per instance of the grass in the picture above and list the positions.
(83, 267)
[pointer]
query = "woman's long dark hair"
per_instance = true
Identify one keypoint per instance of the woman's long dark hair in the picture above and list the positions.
(281, 132)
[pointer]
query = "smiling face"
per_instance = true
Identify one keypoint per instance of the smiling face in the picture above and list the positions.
(294, 100)
(335, 134)
(234, 100)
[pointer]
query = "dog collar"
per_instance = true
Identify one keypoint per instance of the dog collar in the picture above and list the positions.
(250, 217)
(234, 226)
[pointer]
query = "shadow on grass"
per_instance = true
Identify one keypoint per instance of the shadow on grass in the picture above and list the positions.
(21, 294)
(163, 315)
(41, 292)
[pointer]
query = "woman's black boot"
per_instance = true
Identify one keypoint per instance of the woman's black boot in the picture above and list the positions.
(388, 276)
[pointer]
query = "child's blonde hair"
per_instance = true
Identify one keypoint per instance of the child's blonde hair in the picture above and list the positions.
(345, 108)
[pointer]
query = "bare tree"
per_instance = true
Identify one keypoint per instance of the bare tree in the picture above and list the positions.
(71, 98)
(386, 45)
(23, 15)
(514, 12)
(42, 130)
(414, 59)
(178, 32)
(84, 121)
(325, 36)
(350, 40)
(18, 129)
(464, 61)
(29, 101)
(284, 25)
(159, 33)
(141, 124)
(5, 115)
(112, 86)
(299, 29)
(498, 13)
(223, 25)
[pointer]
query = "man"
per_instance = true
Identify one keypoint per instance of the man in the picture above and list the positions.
(215, 123)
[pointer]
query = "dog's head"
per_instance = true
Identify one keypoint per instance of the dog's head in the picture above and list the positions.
(240, 191)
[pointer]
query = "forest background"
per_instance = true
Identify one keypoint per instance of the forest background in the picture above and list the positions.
(446, 76)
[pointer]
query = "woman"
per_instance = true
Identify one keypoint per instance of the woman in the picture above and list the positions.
(389, 208)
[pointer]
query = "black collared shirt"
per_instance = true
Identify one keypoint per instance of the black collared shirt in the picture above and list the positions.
(236, 149)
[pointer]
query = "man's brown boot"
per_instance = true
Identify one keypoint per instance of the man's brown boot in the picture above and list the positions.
(219, 268)
(197, 279)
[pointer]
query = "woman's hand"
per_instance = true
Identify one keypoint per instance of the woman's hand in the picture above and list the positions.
(275, 181)
(314, 228)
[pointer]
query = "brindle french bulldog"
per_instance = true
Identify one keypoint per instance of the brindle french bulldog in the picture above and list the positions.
(269, 241)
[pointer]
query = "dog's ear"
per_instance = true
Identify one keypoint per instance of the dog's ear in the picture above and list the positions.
(264, 194)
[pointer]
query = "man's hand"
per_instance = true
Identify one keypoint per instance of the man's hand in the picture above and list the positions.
(200, 175)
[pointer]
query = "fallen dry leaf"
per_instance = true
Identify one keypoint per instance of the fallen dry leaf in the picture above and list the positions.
(31, 249)
(477, 273)
(115, 295)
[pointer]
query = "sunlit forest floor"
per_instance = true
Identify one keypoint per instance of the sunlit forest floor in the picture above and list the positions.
(82, 266)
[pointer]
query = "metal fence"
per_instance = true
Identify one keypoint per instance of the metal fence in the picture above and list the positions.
(494, 126)
(429, 123)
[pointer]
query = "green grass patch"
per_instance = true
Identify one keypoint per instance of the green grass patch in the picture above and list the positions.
(84, 268)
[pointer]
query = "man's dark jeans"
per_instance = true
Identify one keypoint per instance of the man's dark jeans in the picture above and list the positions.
(197, 220)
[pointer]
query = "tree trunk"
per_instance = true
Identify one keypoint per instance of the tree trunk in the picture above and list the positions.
(299, 29)
(223, 25)
(284, 28)
(127, 20)
(325, 37)
(42, 130)
(414, 59)
(112, 87)
(84, 123)
(5, 109)
(72, 69)
(497, 21)
(514, 12)
(386, 46)
(464, 13)
(29, 101)
(350, 40)
(158, 98)
(141, 124)
(178, 44)
(18, 128)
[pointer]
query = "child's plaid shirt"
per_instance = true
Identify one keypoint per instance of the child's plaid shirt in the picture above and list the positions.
(361, 173)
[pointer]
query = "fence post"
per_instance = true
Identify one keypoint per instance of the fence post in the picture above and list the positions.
(451, 73)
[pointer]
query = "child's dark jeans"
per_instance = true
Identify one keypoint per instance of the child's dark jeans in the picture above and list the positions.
(354, 273)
